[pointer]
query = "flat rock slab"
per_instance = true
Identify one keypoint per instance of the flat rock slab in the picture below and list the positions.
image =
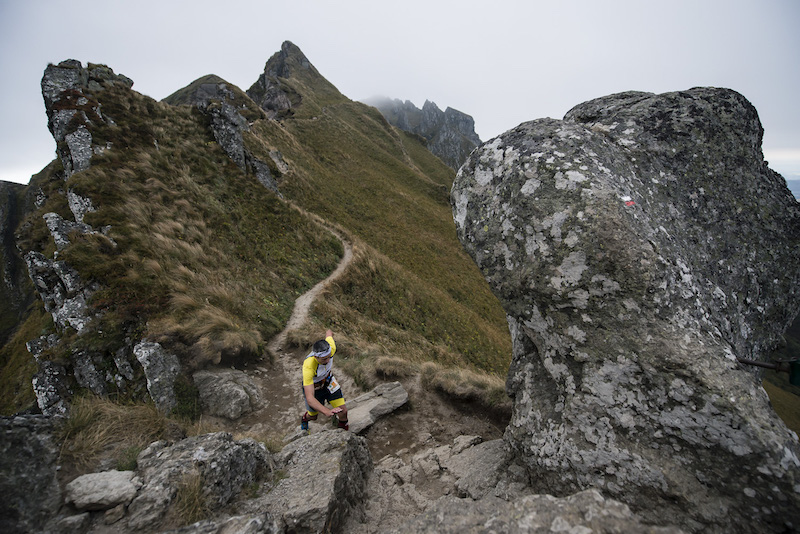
(364, 410)
(101, 491)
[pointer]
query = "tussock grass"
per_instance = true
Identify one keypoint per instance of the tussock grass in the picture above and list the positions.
(377, 302)
(190, 503)
(98, 428)
(785, 398)
(207, 261)
(465, 385)
(18, 366)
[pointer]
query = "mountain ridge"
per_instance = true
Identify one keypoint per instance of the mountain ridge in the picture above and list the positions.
(326, 153)
(450, 134)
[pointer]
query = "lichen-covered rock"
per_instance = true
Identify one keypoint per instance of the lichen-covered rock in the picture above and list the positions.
(28, 467)
(250, 524)
(224, 466)
(68, 89)
(639, 247)
(51, 387)
(63, 293)
(585, 512)
(227, 126)
(161, 368)
(228, 393)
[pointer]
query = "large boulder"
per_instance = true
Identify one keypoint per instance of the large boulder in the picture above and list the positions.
(640, 247)
(324, 483)
(102, 491)
(224, 466)
(228, 393)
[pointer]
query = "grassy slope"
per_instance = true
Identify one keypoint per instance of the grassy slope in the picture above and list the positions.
(207, 260)
(413, 291)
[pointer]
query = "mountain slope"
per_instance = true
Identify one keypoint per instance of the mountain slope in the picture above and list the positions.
(199, 256)
(188, 250)
(351, 167)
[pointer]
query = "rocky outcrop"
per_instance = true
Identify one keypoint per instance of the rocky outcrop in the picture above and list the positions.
(228, 109)
(270, 92)
(450, 134)
(227, 393)
(62, 291)
(324, 483)
(161, 368)
(639, 247)
(28, 463)
(67, 89)
(69, 92)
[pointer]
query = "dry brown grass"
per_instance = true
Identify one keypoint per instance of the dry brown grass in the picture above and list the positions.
(97, 427)
(190, 503)
(465, 385)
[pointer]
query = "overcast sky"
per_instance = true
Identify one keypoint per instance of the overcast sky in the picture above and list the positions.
(501, 61)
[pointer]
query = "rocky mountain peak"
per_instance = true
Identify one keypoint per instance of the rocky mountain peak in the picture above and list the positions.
(284, 62)
(450, 134)
(289, 78)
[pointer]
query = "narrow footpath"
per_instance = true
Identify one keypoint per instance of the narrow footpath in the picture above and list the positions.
(427, 420)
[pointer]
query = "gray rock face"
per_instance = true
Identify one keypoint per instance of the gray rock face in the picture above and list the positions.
(101, 491)
(28, 458)
(584, 512)
(639, 247)
(450, 133)
(224, 465)
(260, 524)
(227, 393)
(161, 368)
(51, 387)
(227, 126)
(60, 287)
(325, 482)
(67, 89)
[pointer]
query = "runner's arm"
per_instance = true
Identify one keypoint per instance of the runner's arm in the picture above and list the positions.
(315, 404)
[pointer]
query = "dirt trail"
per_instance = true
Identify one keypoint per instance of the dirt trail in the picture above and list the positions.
(279, 383)
(426, 421)
(303, 303)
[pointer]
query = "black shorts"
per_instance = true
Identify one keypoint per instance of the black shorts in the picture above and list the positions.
(323, 395)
